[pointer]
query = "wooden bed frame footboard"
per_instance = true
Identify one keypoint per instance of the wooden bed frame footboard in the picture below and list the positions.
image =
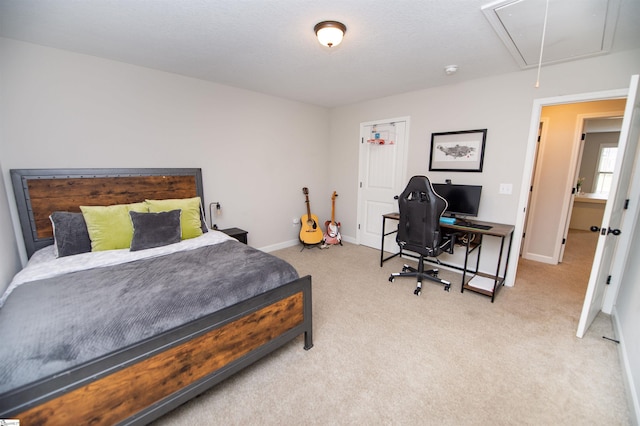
(141, 383)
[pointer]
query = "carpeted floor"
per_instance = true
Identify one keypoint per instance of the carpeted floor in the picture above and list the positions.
(385, 356)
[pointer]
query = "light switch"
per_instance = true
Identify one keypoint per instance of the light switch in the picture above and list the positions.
(506, 188)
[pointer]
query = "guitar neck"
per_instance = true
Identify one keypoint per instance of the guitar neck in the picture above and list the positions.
(308, 208)
(333, 208)
(305, 191)
(333, 212)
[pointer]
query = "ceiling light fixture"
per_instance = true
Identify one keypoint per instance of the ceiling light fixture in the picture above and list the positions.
(330, 33)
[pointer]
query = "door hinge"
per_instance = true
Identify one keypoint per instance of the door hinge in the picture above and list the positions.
(609, 279)
(573, 191)
(584, 136)
(361, 140)
(358, 226)
(523, 234)
(626, 204)
(531, 188)
(564, 241)
(360, 184)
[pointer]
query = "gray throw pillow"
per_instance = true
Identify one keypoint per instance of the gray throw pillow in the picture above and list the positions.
(70, 233)
(155, 229)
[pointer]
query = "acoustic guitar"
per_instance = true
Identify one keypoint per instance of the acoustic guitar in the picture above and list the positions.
(332, 235)
(310, 232)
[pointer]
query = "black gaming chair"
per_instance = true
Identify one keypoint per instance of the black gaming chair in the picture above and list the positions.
(419, 229)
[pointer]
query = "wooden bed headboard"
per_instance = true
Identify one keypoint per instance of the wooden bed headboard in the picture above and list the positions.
(39, 192)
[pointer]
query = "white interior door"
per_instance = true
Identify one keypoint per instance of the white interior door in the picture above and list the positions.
(383, 147)
(541, 128)
(613, 211)
(575, 163)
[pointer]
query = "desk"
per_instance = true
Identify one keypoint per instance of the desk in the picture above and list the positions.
(481, 282)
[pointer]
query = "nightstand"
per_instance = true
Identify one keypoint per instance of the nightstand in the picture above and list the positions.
(237, 233)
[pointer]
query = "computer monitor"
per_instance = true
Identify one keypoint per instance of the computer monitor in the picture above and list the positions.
(463, 200)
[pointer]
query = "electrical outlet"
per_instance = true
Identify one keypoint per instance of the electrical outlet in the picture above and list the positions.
(506, 188)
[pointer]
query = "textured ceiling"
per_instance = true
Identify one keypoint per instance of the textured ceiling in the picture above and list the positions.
(571, 28)
(269, 46)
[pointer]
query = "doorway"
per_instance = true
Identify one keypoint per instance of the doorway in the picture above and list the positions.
(616, 205)
(593, 124)
(554, 178)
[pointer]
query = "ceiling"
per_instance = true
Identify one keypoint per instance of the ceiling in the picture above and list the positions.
(269, 46)
(602, 125)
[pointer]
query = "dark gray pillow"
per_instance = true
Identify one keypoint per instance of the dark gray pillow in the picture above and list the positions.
(70, 233)
(155, 229)
(203, 222)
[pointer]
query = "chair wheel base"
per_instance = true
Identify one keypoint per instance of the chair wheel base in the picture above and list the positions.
(420, 273)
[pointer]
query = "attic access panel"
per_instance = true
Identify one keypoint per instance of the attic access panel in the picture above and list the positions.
(575, 28)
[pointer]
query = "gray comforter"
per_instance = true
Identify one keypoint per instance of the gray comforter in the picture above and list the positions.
(50, 325)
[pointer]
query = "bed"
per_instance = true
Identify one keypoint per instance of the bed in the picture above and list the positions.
(158, 330)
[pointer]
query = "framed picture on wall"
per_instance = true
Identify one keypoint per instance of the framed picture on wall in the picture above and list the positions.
(461, 151)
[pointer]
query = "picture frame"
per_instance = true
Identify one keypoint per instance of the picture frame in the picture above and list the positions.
(460, 151)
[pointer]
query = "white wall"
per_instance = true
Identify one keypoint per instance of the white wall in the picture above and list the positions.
(9, 259)
(502, 104)
(627, 318)
(61, 109)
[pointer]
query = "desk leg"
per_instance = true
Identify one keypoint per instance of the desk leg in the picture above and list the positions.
(466, 260)
(506, 263)
(384, 219)
(479, 248)
(382, 258)
(497, 280)
(506, 266)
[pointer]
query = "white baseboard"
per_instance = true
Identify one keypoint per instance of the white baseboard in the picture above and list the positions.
(279, 246)
(291, 243)
(629, 384)
(349, 240)
(539, 258)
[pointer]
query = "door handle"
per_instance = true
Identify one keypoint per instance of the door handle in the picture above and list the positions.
(605, 231)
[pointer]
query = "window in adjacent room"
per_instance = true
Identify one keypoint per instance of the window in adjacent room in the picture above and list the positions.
(606, 166)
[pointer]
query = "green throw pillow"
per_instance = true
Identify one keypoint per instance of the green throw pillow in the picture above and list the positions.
(110, 227)
(190, 218)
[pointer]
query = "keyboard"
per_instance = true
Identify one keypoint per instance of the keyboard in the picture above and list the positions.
(466, 224)
(477, 226)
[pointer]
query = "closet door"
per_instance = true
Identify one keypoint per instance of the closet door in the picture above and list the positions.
(383, 147)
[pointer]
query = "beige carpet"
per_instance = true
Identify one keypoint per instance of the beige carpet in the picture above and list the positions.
(385, 356)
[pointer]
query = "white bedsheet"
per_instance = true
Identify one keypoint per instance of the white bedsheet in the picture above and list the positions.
(44, 264)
